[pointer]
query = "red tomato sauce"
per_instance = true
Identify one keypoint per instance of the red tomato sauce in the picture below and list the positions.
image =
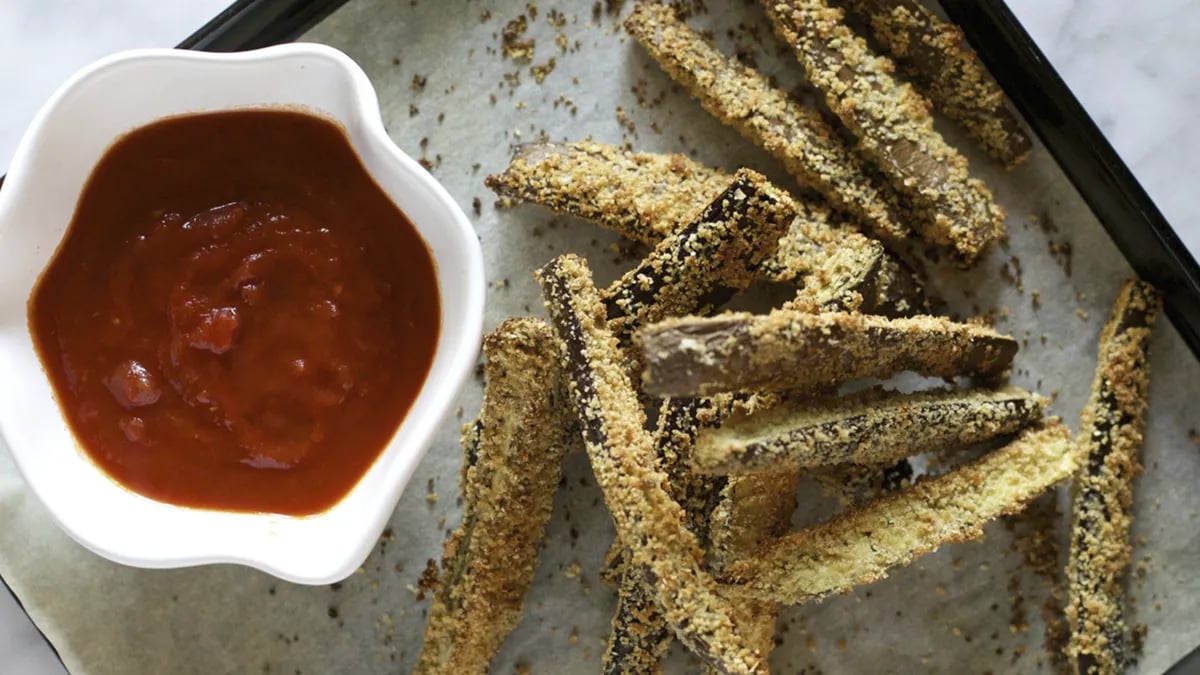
(238, 317)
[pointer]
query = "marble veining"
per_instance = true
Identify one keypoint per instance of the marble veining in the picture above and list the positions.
(1132, 65)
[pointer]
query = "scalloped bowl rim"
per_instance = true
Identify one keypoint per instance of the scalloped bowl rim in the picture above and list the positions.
(48, 170)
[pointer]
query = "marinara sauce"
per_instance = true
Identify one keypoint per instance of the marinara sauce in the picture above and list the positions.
(238, 317)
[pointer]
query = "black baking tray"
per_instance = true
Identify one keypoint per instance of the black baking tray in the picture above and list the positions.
(1120, 203)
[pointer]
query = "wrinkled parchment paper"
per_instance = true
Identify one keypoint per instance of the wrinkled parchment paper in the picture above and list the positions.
(436, 66)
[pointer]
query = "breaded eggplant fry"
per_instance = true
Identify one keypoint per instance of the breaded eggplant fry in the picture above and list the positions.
(787, 349)
(640, 636)
(680, 421)
(854, 276)
(701, 266)
(769, 117)
(513, 461)
(846, 280)
(648, 521)
(1110, 437)
(934, 55)
(645, 197)
(861, 545)
(753, 509)
(872, 427)
(728, 517)
(893, 125)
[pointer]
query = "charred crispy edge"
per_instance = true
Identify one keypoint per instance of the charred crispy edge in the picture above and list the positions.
(871, 427)
(1111, 435)
(478, 602)
(861, 545)
(935, 56)
(640, 196)
(703, 265)
(648, 521)
(738, 96)
(893, 125)
(787, 349)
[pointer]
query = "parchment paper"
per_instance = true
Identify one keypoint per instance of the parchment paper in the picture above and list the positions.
(950, 612)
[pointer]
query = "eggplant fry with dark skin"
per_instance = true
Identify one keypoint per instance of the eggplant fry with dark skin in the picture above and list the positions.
(786, 349)
(650, 524)
(796, 135)
(642, 196)
(860, 545)
(646, 197)
(640, 636)
(894, 127)
(513, 458)
(1111, 429)
(873, 427)
(694, 269)
(935, 57)
(701, 266)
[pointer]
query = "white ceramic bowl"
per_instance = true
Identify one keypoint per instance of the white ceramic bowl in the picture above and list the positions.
(66, 139)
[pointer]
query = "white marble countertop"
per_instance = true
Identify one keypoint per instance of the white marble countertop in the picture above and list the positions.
(1131, 65)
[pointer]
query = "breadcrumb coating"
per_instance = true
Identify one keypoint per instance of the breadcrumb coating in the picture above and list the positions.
(1110, 438)
(649, 522)
(861, 545)
(752, 509)
(934, 55)
(787, 349)
(645, 197)
(871, 427)
(742, 98)
(640, 637)
(701, 266)
(511, 471)
(893, 125)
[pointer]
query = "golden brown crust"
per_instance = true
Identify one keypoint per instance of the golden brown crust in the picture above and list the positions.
(787, 349)
(752, 509)
(648, 521)
(894, 127)
(513, 460)
(871, 427)
(640, 636)
(645, 197)
(702, 265)
(861, 545)
(743, 99)
(1110, 437)
(935, 56)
